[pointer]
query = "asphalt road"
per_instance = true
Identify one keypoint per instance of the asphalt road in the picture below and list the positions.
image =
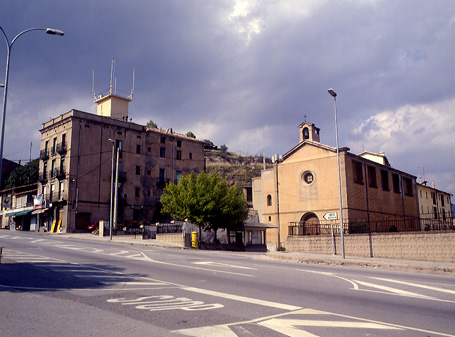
(60, 286)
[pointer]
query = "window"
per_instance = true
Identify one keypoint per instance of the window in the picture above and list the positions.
(163, 140)
(51, 193)
(138, 170)
(162, 152)
(54, 146)
(433, 196)
(357, 172)
(138, 149)
(45, 170)
(191, 155)
(178, 176)
(270, 218)
(149, 192)
(62, 166)
(179, 143)
(396, 183)
(46, 148)
(61, 190)
(308, 177)
(162, 174)
(443, 214)
(137, 192)
(442, 200)
(149, 172)
(407, 185)
(64, 140)
(269, 200)
(149, 149)
(53, 168)
(435, 212)
(179, 155)
(119, 146)
(385, 180)
(372, 176)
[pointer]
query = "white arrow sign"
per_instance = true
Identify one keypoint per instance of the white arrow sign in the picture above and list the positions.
(331, 216)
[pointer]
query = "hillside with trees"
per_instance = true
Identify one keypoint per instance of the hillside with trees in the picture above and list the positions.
(235, 168)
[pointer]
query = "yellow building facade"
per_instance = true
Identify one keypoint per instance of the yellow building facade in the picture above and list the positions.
(76, 165)
(299, 190)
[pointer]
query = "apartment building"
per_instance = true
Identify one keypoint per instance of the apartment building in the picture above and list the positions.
(435, 207)
(76, 164)
(302, 187)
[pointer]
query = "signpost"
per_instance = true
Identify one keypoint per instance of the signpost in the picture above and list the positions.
(331, 216)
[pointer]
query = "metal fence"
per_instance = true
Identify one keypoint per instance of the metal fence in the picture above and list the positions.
(377, 225)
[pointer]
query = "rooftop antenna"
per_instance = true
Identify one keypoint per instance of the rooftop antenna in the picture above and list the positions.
(93, 84)
(132, 90)
(112, 76)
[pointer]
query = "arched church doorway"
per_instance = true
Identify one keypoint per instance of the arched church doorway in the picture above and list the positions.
(309, 222)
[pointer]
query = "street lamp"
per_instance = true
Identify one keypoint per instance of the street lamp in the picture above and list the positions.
(334, 95)
(9, 46)
(112, 188)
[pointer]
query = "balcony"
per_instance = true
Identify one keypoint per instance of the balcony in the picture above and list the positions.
(162, 182)
(42, 178)
(61, 148)
(44, 154)
(60, 173)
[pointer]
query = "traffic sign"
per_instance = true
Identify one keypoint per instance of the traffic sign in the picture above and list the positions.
(331, 216)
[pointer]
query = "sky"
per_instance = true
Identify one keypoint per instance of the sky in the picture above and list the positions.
(245, 73)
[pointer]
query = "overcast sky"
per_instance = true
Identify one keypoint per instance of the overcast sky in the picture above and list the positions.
(246, 73)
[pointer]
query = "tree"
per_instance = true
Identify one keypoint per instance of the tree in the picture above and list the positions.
(152, 124)
(191, 134)
(205, 201)
(24, 175)
(223, 148)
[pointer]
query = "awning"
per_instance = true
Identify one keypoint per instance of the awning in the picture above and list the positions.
(39, 211)
(19, 213)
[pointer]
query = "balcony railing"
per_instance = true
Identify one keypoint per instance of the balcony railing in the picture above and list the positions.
(42, 177)
(44, 154)
(61, 148)
(374, 225)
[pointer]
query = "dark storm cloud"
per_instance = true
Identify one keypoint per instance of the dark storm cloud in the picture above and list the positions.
(243, 73)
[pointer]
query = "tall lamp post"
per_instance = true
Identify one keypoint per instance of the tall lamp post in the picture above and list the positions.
(111, 209)
(334, 95)
(9, 46)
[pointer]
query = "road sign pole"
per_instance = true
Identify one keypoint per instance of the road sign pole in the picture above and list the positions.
(333, 239)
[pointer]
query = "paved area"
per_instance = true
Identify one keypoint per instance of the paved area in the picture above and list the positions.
(300, 257)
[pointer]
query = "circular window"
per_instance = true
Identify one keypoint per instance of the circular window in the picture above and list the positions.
(308, 177)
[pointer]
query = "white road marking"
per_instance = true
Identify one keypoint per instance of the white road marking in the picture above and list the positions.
(393, 290)
(216, 264)
(416, 285)
(287, 326)
(242, 298)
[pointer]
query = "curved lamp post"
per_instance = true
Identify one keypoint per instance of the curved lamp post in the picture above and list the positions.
(334, 95)
(9, 46)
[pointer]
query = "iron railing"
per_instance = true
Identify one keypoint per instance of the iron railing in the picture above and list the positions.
(376, 225)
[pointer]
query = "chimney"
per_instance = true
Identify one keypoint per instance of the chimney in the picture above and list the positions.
(432, 183)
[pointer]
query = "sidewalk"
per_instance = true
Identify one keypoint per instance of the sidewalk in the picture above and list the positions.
(299, 257)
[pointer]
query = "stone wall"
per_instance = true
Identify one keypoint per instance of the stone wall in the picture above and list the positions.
(173, 238)
(422, 246)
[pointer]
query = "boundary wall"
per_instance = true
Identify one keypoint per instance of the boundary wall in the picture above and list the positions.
(421, 246)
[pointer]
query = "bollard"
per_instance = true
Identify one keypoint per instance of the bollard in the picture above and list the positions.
(194, 240)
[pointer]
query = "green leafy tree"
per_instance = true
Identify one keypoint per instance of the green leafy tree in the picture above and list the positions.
(152, 124)
(223, 148)
(24, 175)
(191, 134)
(205, 201)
